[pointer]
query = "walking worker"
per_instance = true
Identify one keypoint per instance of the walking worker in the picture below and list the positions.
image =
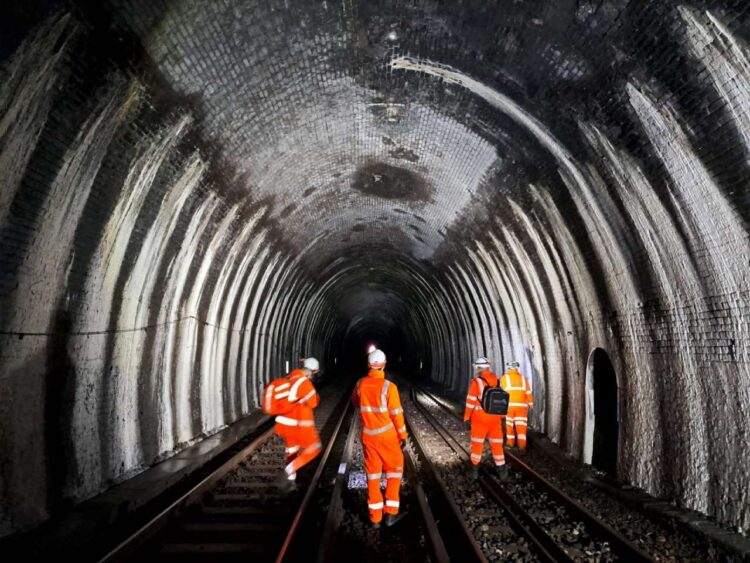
(383, 436)
(483, 424)
(521, 400)
(292, 399)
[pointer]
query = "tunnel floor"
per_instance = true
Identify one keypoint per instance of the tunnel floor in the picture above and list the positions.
(235, 510)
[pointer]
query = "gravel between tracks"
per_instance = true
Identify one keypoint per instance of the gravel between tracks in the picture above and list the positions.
(267, 463)
(657, 538)
(491, 529)
(568, 532)
(358, 541)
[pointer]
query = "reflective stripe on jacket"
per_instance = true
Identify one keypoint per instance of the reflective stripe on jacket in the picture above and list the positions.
(518, 388)
(302, 393)
(476, 388)
(379, 406)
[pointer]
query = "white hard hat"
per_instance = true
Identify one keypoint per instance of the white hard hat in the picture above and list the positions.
(512, 365)
(481, 362)
(311, 364)
(376, 358)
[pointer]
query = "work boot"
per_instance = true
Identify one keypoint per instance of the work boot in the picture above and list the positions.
(286, 485)
(502, 472)
(474, 472)
(375, 525)
(391, 519)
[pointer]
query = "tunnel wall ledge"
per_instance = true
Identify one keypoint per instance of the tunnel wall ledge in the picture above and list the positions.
(688, 520)
(75, 529)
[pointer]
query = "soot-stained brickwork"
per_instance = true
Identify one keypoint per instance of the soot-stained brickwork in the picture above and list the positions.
(193, 193)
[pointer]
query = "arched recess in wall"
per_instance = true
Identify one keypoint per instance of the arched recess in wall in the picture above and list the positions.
(602, 429)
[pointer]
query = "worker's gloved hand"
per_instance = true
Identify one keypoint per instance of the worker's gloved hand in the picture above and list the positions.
(467, 424)
(402, 444)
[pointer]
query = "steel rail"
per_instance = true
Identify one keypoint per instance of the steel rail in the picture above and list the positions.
(520, 519)
(335, 512)
(438, 551)
(620, 544)
(455, 530)
(285, 550)
(145, 533)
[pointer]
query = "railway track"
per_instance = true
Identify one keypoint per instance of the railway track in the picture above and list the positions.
(629, 512)
(236, 510)
(346, 534)
(553, 525)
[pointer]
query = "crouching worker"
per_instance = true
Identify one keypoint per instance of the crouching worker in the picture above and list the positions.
(292, 399)
(485, 424)
(383, 436)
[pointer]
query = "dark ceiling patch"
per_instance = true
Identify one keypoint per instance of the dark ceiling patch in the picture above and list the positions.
(308, 192)
(403, 153)
(419, 218)
(391, 182)
(401, 211)
(358, 228)
(388, 141)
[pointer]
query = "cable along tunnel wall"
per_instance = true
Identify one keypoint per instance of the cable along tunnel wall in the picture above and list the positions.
(191, 192)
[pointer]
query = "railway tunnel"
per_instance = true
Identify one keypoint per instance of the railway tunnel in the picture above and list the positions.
(196, 194)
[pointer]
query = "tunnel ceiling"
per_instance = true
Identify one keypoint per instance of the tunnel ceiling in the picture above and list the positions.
(311, 115)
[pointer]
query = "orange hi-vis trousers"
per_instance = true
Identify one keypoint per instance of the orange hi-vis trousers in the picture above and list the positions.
(383, 454)
(515, 426)
(302, 446)
(488, 426)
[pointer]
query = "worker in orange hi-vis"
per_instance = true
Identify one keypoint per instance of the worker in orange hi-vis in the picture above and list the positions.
(520, 401)
(383, 437)
(483, 424)
(297, 426)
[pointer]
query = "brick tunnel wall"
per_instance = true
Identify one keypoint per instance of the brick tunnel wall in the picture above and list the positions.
(194, 193)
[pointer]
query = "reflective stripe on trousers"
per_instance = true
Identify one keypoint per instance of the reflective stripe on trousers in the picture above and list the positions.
(383, 454)
(486, 427)
(286, 421)
(515, 426)
(302, 446)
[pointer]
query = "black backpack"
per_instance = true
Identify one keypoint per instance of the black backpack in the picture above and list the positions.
(494, 399)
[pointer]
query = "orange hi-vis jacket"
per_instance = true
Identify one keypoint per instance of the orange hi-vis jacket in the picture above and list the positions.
(379, 407)
(518, 388)
(474, 397)
(302, 393)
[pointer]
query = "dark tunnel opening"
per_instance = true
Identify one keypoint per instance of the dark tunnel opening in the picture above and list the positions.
(379, 298)
(606, 409)
(389, 339)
